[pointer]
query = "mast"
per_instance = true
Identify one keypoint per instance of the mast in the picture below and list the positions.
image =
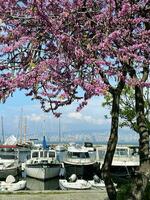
(25, 129)
(21, 125)
(2, 126)
(59, 131)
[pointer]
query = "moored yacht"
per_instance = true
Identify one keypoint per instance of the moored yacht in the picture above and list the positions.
(9, 164)
(42, 164)
(125, 160)
(78, 161)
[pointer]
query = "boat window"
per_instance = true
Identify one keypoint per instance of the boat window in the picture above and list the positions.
(69, 154)
(35, 154)
(45, 154)
(41, 153)
(75, 155)
(84, 155)
(101, 153)
(8, 157)
(78, 155)
(88, 144)
(52, 154)
(121, 152)
(44, 161)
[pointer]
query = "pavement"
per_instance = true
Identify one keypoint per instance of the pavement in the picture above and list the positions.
(55, 195)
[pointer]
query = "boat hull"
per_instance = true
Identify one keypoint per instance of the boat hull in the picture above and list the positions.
(78, 185)
(82, 171)
(42, 172)
(9, 171)
(20, 185)
(100, 185)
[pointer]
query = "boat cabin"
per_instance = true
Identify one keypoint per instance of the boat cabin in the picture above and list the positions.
(123, 156)
(42, 154)
(78, 155)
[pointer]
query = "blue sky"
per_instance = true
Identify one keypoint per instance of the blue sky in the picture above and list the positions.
(90, 121)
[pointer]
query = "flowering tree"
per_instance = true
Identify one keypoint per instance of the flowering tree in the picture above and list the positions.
(56, 48)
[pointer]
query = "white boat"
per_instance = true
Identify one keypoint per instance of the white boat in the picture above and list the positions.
(78, 161)
(76, 184)
(42, 164)
(10, 184)
(97, 183)
(125, 160)
(9, 164)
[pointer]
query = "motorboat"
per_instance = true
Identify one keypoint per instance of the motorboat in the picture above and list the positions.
(78, 161)
(9, 164)
(42, 164)
(74, 184)
(125, 160)
(97, 183)
(10, 185)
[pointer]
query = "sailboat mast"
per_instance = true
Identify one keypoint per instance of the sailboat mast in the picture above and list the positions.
(25, 129)
(59, 128)
(21, 126)
(2, 126)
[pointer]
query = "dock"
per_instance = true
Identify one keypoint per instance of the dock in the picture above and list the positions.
(55, 195)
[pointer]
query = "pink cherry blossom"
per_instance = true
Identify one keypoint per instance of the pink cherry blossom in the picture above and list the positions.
(63, 51)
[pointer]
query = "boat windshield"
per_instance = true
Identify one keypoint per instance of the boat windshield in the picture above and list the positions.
(78, 155)
(4, 156)
(121, 152)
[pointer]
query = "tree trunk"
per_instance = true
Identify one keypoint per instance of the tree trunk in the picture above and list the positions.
(141, 178)
(111, 146)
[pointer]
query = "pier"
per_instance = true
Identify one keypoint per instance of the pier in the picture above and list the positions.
(56, 195)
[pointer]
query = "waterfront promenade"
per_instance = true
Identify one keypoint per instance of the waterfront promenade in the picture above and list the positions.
(55, 195)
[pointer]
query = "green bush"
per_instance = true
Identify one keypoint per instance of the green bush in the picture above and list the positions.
(124, 192)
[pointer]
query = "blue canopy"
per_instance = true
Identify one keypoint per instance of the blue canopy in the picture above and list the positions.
(44, 143)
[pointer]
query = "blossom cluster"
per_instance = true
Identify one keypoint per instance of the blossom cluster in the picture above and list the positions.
(55, 48)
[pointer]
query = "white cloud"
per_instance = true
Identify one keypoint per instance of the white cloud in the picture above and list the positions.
(87, 118)
(36, 117)
(75, 115)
